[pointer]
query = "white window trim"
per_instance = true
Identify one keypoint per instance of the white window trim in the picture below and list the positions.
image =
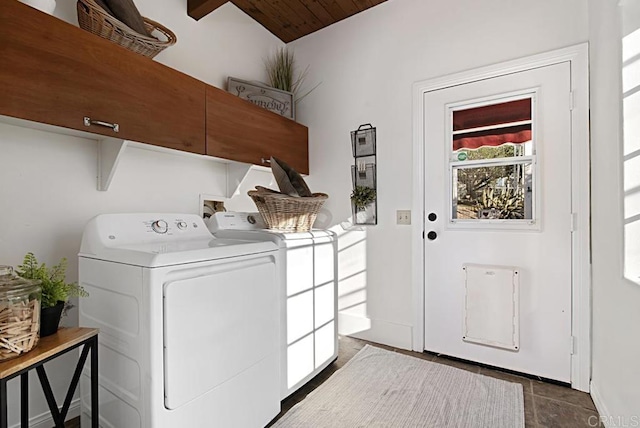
(489, 127)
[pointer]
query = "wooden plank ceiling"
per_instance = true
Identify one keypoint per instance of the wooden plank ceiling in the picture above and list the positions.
(288, 19)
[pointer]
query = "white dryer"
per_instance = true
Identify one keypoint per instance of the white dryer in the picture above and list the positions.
(309, 307)
(189, 323)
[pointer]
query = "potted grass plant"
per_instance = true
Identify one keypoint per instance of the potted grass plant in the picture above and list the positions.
(282, 74)
(56, 292)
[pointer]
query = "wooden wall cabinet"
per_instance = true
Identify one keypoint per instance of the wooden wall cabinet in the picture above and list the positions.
(55, 73)
(239, 130)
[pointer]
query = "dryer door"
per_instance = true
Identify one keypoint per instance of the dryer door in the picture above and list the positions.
(217, 325)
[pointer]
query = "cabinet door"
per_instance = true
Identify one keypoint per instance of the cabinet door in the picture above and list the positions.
(55, 73)
(241, 131)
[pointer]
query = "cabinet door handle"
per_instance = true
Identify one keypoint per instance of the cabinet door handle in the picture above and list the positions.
(89, 122)
(266, 160)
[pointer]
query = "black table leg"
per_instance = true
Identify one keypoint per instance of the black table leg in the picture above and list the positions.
(48, 394)
(94, 382)
(3, 403)
(74, 382)
(24, 400)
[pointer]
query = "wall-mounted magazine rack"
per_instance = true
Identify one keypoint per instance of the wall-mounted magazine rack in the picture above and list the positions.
(363, 174)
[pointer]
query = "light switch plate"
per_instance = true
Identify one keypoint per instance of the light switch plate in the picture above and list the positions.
(403, 217)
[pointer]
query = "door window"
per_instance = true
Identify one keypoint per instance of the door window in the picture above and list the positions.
(492, 162)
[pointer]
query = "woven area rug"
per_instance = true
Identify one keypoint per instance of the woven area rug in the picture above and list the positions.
(379, 388)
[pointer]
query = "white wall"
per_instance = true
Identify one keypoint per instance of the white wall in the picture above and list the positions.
(367, 65)
(616, 299)
(48, 181)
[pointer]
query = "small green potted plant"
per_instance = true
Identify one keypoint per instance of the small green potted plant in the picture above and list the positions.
(55, 290)
(362, 197)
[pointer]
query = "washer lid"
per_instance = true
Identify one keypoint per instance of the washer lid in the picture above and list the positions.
(287, 239)
(155, 240)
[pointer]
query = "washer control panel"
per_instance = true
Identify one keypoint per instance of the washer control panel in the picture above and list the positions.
(236, 221)
(152, 227)
(169, 225)
(150, 231)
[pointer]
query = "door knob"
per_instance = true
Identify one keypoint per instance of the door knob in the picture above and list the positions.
(432, 216)
(432, 235)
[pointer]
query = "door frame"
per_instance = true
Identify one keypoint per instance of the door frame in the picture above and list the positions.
(578, 57)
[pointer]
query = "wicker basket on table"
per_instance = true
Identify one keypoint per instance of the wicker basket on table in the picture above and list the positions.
(96, 20)
(287, 213)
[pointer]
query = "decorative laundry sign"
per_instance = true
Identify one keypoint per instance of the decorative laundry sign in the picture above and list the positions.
(269, 98)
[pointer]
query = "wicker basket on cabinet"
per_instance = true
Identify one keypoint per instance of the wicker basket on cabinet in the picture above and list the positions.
(96, 20)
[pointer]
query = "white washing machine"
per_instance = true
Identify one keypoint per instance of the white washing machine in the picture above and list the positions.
(189, 323)
(309, 310)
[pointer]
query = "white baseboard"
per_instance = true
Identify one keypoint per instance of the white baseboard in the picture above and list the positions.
(44, 420)
(605, 416)
(384, 332)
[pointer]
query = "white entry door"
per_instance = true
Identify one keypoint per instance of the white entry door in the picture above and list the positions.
(498, 229)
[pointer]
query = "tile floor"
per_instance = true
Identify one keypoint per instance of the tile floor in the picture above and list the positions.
(546, 405)
(73, 423)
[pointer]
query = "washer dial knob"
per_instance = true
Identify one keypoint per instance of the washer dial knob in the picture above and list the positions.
(182, 225)
(160, 226)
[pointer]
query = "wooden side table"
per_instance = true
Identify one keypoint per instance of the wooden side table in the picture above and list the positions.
(48, 348)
